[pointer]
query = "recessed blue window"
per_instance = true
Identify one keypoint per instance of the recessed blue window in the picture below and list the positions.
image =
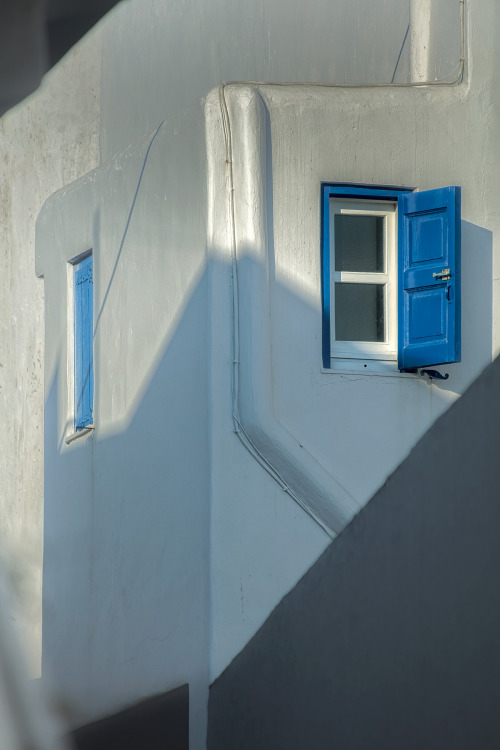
(390, 275)
(84, 343)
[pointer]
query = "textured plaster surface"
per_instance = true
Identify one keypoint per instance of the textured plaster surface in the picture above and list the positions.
(180, 544)
(127, 507)
(360, 427)
(349, 41)
(45, 142)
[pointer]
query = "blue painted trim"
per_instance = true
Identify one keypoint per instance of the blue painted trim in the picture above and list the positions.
(433, 336)
(458, 273)
(383, 193)
(343, 190)
(401, 263)
(325, 277)
(83, 343)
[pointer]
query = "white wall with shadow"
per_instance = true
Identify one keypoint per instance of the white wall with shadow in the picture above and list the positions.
(126, 564)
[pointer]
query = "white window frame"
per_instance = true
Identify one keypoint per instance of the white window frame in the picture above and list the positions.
(367, 350)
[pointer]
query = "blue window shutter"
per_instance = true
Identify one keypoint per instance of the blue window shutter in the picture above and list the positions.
(84, 364)
(429, 278)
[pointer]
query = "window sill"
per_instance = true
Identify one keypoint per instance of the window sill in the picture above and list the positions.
(79, 433)
(367, 367)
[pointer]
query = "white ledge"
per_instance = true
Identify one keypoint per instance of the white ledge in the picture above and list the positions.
(371, 373)
(79, 433)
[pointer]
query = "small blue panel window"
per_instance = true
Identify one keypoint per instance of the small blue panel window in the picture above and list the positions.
(390, 291)
(84, 329)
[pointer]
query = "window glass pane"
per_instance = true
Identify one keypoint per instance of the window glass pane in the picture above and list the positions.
(359, 243)
(359, 312)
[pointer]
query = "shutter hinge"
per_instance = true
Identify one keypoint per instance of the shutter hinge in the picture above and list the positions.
(435, 374)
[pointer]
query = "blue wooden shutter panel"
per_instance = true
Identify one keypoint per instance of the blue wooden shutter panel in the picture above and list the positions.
(84, 366)
(429, 278)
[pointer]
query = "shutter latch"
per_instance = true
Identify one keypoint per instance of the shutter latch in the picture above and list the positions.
(445, 274)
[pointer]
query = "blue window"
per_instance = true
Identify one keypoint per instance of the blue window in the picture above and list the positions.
(83, 337)
(390, 276)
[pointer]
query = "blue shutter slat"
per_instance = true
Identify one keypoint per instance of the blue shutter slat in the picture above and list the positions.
(84, 370)
(428, 302)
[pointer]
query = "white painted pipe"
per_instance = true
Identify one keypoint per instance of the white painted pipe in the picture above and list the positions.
(298, 471)
(420, 38)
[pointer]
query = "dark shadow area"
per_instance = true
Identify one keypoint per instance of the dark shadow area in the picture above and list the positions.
(391, 640)
(35, 35)
(160, 723)
(69, 20)
(125, 563)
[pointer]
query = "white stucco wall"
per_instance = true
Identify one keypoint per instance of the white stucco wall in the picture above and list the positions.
(159, 57)
(360, 427)
(176, 543)
(45, 142)
(127, 508)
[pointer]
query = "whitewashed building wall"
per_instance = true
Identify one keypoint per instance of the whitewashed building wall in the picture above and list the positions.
(166, 543)
(46, 141)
